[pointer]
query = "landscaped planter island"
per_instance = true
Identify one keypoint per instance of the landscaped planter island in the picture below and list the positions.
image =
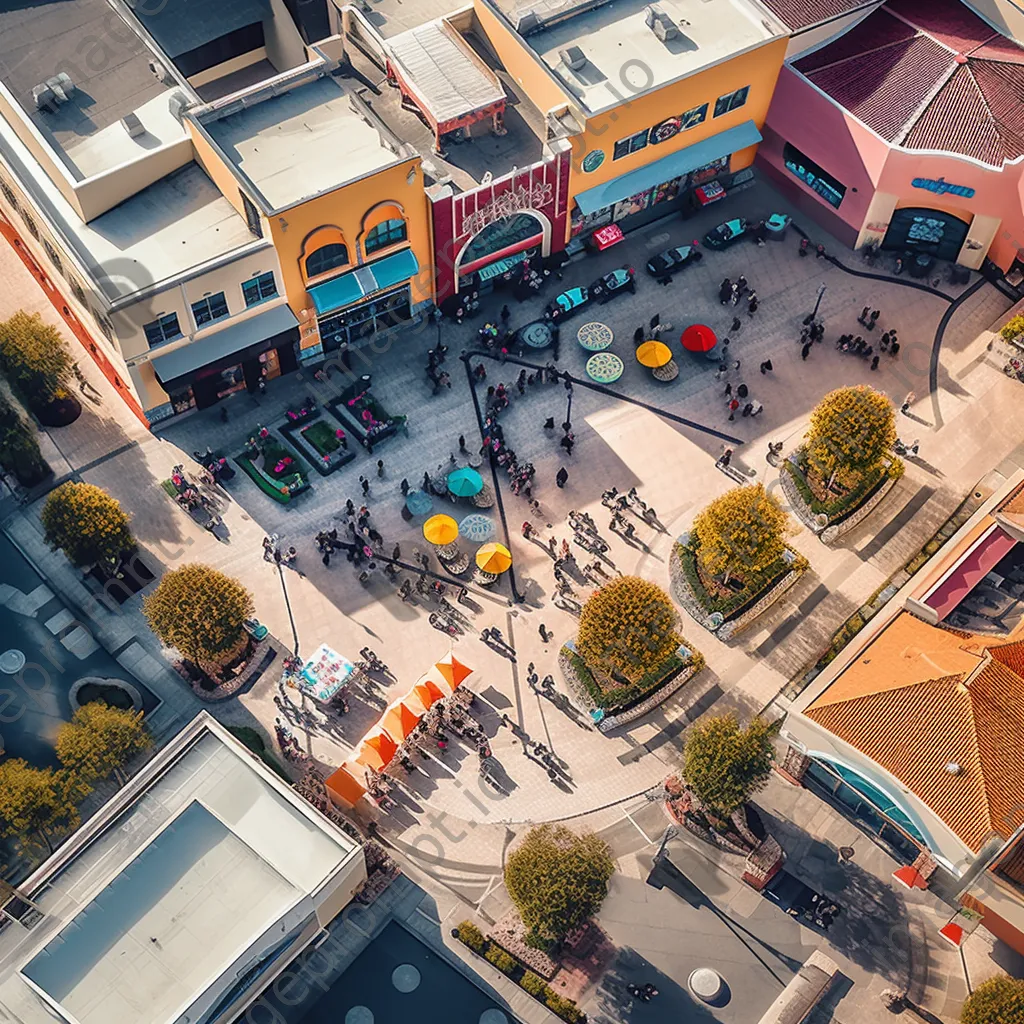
(278, 471)
(318, 441)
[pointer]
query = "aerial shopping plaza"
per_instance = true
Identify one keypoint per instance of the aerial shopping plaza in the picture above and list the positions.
(511, 511)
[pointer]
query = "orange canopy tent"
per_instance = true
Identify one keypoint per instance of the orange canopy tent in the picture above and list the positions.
(453, 671)
(422, 696)
(377, 750)
(399, 720)
(344, 787)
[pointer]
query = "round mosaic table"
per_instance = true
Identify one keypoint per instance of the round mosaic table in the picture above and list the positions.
(605, 368)
(595, 337)
(537, 334)
(667, 372)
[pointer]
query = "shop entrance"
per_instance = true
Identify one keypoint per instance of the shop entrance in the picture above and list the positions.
(920, 230)
(351, 325)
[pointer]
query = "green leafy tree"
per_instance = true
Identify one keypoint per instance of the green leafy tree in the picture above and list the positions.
(38, 802)
(628, 629)
(852, 430)
(724, 764)
(87, 524)
(34, 357)
(99, 739)
(201, 612)
(19, 449)
(999, 1000)
(740, 532)
(558, 878)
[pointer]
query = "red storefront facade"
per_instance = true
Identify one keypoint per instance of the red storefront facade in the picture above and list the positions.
(481, 234)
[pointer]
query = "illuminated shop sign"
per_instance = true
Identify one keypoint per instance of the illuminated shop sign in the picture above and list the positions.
(941, 187)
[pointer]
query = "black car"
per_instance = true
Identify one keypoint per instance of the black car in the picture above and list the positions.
(727, 234)
(617, 282)
(672, 260)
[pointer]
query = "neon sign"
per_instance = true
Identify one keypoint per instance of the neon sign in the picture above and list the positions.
(941, 187)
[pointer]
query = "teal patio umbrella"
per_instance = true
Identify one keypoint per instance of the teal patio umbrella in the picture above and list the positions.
(419, 503)
(465, 482)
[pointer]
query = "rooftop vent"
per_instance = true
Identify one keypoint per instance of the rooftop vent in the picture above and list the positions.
(159, 72)
(573, 58)
(54, 91)
(133, 126)
(660, 23)
(528, 23)
(178, 104)
(953, 768)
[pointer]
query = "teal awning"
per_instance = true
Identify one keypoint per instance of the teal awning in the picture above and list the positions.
(672, 166)
(338, 292)
(351, 287)
(393, 269)
(494, 269)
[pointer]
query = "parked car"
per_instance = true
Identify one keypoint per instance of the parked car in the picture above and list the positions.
(568, 302)
(672, 260)
(615, 283)
(726, 234)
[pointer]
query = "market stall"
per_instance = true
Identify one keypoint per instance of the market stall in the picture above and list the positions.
(324, 674)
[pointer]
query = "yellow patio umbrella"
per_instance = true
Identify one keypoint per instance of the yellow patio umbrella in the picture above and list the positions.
(494, 558)
(440, 530)
(653, 354)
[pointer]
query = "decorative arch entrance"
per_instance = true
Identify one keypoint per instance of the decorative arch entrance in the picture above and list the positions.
(502, 241)
(919, 229)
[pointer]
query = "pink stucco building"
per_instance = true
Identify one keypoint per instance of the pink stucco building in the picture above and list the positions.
(905, 129)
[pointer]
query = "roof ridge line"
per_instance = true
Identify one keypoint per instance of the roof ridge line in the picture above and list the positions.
(985, 789)
(861, 53)
(921, 31)
(929, 99)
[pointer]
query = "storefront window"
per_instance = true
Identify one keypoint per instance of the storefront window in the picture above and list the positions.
(326, 258)
(702, 175)
(817, 180)
(182, 401)
(933, 232)
(500, 235)
(365, 319)
(632, 144)
(694, 117)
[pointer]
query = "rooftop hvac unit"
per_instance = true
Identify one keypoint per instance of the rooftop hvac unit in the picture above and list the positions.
(660, 23)
(133, 126)
(528, 22)
(159, 72)
(177, 104)
(573, 58)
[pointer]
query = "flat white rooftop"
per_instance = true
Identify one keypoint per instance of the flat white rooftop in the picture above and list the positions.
(299, 143)
(161, 233)
(147, 907)
(625, 58)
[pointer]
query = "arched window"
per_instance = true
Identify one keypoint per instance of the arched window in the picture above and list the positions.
(500, 235)
(327, 257)
(386, 233)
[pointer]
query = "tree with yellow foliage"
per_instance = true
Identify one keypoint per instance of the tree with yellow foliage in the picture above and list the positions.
(740, 532)
(87, 524)
(852, 430)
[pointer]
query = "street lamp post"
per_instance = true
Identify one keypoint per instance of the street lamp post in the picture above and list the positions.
(817, 304)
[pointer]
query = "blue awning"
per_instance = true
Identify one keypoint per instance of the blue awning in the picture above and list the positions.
(351, 287)
(221, 344)
(392, 269)
(672, 166)
(338, 292)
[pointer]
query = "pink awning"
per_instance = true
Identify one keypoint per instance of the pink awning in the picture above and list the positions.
(972, 569)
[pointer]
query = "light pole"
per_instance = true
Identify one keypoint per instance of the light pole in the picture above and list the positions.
(568, 406)
(817, 304)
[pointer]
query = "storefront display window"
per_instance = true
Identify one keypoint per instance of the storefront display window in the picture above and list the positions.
(365, 319)
(667, 191)
(182, 401)
(631, 145)
(927, 231)
(816, 179)
(702, 175)
(501, 235)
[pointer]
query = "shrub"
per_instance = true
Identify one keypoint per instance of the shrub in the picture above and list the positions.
(565, 1008)
(19, 449)
(558, 878)
(628, 629)
(35, 359)
(1013, 328)
(537, 941)
(87, 524)
(201, 612)
(471, 936)
(497, 956)
(535, 986)
(741, 533)
(999, 1000)
(852, 430)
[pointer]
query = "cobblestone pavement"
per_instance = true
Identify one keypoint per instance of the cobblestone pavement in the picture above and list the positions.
(623, 441)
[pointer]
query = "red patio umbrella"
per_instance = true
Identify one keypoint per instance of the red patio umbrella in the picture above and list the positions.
(698, 338)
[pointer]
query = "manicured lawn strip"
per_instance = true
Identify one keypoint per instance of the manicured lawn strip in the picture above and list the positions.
(321, 437)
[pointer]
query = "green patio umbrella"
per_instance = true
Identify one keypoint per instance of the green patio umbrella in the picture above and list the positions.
(465, 482)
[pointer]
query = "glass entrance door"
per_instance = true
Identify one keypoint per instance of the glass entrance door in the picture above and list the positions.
(354, 324)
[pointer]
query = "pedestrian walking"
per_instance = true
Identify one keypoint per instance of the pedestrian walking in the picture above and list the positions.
(733, 406)
(748, 408)
(805, 351)
(908, 402)
(463, 450)
(766, 366)
(654, 321)
(549, 423)
(396, 554)
(894, 349)
(544, 634)
(721, 371)
(728, 390)
(638, 336)
(561, 477)
(734, 293)
(268, 549)
(380, 468)
(506, 315)
(863, 318)
(884, 343)
(365, 484)
(751, 304)
(736, 325)
(874, 362)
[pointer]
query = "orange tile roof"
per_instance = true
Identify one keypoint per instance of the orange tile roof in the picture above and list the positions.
(1014, 505)
(969, 712)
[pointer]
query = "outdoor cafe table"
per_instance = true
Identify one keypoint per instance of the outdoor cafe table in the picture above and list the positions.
(605, 367)
(536, 335)
(324, 674)
(595, 337)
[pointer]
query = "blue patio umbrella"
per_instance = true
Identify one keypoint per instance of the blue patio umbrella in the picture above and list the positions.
(419, 503)
(465, 482)
(476, 528)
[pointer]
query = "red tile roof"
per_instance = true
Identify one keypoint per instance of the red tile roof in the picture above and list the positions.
(928, 74)
(798, 14)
